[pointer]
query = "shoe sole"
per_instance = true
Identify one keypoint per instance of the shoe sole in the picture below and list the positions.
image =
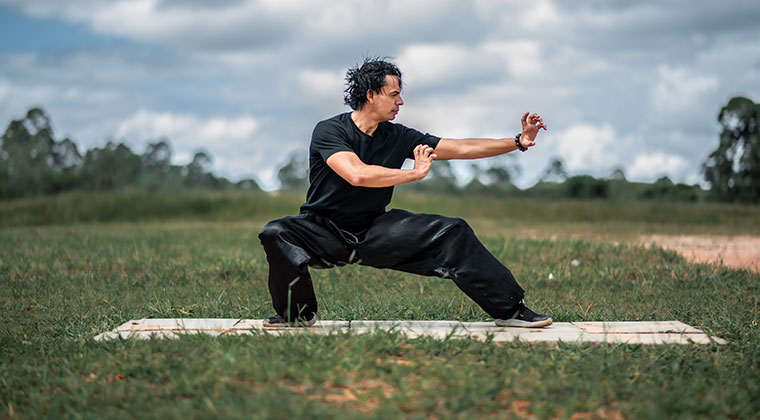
(524, 324)
(281, 325)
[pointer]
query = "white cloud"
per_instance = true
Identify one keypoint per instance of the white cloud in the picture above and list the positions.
(254, 25)
(430, 64)
(523, 58)
(319, 85)
(535, 15)
(585, 147)
(189, 133)
(453, 119)
(5, 90)
(451, 64)
(680, 89)
(218, 27)
(539, 15)
(650, 166)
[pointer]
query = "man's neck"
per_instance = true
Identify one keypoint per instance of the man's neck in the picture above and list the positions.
(365, 122)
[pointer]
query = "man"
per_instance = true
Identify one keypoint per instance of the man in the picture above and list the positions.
(355, 160)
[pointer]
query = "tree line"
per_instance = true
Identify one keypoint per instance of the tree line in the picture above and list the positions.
(33, 162)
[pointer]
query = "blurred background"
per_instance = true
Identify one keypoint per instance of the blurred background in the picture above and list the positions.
(225, 94)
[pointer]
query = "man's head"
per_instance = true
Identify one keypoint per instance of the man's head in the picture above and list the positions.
(376, 82)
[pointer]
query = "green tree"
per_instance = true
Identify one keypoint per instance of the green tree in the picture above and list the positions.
(294, 175)
(733, 169)
(586, 186)
(157, 172)
(198, 172)
(158, 156)
(247, 184)
(496, 178)
(502, 171)
(665, 190)
(554, 172)
(110, 167)
(617, 174)
(32, 162)
(441, 178)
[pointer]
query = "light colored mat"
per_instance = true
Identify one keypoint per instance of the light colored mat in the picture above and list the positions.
(658, 332)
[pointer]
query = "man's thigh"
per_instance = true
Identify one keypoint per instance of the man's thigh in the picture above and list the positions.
(309, 236)
(399, 236)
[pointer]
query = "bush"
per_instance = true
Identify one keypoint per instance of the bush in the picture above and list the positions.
(586, 186)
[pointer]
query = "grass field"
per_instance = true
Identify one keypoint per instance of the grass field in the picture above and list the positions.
(77, 265)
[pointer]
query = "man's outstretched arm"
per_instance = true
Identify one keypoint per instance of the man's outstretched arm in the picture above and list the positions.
(359, 174)
(475, 148)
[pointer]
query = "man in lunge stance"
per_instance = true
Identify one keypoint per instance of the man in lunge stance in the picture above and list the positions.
(355, 160)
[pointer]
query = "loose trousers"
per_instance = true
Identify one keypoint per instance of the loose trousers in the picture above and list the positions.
(425, 244)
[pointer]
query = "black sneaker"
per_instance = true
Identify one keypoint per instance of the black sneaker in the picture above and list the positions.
(277, 321)
(525, 318)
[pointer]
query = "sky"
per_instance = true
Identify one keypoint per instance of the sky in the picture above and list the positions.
(620, 84)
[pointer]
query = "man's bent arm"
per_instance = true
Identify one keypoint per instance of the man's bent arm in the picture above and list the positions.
(473, 148)
(357, 173)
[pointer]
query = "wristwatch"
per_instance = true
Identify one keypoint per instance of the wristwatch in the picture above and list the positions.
(517, 143)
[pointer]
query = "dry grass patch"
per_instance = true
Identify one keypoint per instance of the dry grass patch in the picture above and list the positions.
(741, 251)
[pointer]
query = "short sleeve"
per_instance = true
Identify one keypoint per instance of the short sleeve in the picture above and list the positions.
(328, 138)
(414, 138)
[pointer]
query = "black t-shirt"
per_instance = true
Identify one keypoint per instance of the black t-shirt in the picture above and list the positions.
(354, 208)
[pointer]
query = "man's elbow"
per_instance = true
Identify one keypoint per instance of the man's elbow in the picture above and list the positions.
(356, 179)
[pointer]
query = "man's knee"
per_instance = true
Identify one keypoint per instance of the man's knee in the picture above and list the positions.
(272, 231)
(458, 224)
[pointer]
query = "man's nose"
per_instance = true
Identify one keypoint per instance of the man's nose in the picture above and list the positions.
(400, 101)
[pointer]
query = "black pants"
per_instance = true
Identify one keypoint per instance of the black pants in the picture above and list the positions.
(424, 244)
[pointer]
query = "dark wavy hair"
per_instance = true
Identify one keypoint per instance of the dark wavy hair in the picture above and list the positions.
(370, 75)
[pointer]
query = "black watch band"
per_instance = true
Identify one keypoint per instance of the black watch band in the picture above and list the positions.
(517, 143)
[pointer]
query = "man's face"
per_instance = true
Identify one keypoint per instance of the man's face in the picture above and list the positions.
(386, 104)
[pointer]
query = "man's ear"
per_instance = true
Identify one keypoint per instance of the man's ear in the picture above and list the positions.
(370, 96)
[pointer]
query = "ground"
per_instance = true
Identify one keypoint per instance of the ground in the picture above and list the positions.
(75, 265)
(741, 251)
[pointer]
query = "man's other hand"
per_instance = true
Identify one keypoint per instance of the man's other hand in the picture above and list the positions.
(531, 123)
(423, 160)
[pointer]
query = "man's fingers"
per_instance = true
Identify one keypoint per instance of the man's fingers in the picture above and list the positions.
(424, 152)
(419, 151)
(537, 121)
(525, 118)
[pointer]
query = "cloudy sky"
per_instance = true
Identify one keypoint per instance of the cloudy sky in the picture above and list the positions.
(625, 84)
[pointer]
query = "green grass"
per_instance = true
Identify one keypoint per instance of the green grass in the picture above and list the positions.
(81, 207)
(62, 284)
(508, 213)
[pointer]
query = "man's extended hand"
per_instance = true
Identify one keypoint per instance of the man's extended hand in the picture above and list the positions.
(423, 160)
(531, 123)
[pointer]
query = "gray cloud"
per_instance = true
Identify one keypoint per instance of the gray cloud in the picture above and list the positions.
(645, 80)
